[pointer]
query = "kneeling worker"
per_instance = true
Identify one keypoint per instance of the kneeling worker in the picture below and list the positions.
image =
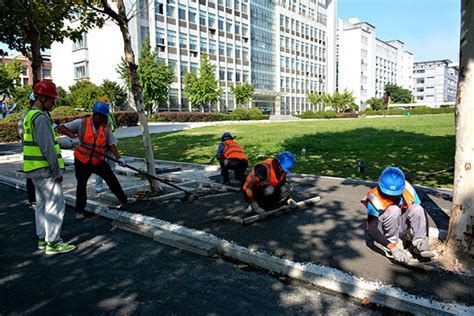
(231, 157)
(393, 209)
(266, 187)
(93, 132)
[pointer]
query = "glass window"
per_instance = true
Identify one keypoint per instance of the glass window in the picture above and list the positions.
(230, 75)
(182, 41)
(237, 53)
(211, 21)
(202, 18)
(171, 39)
(221, 74)
(244, 30)
(81, 43)
(80, 70)
(228, 27)
(170, 8)
(182, 12)
(221, 49)
(192, 15)
(229, 51)
(212, 47)
(184, 67)
(245, 53)
(194, 67)
(237, 28)
(193, 42)
(220, 23)
(160, 36)
(172, 64)
(203, 45)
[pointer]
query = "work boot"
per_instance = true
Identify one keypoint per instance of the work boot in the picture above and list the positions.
(422, 247)
(80, 215)
(42, 244)
(59, 247)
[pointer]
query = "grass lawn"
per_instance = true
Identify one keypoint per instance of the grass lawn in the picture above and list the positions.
(417, 144)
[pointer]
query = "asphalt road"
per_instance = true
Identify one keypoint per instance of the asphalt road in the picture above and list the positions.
(118, 273)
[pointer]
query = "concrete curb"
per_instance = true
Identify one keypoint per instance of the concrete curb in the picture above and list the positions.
(326, 277)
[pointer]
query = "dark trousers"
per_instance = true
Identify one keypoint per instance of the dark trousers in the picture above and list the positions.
(30, 188)
(269, 197)
(239, 166)
(83, 173)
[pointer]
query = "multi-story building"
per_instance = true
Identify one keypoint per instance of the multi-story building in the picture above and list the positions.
(366, 64)
(26, 76)
(286, 49)
(435, 81)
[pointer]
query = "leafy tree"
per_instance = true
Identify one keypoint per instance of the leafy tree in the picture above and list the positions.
(115, 93)
(376, 104)
(202, 89)
(64, 98)
(9, 76)
(155, 78)
(315, 98)
(340, 101)
(397, 94)
(30, 26)
(84, 94)
(121, 17)
(21, 96)
(242, 92)
(124, 75)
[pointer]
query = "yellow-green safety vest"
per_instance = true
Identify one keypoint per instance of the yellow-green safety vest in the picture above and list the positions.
(33, 158)
(112, 123)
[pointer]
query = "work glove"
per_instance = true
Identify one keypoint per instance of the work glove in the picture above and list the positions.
(400, 255)
(121, 162)
(256, 208)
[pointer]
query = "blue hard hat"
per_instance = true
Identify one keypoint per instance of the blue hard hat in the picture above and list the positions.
(101, 108)
(287, 160)
(392, 181)
(227, 135)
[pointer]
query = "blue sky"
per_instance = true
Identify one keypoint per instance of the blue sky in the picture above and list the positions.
(429, 28)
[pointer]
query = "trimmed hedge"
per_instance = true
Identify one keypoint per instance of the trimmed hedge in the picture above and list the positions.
(320, 114)
(415, 111)
(9, 128)
(237, 115)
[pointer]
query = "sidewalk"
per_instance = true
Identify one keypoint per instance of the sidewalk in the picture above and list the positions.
(329, 234)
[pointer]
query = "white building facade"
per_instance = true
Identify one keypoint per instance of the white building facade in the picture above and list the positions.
(435, 81)
(365, 64)
(286, 49)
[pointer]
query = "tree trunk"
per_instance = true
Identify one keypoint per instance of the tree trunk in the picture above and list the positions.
(36, 61)
(461, 223)
(138, 97)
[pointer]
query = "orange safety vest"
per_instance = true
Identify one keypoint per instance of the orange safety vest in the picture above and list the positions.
(271, 179)
(233, 150)
(87, 137)
(381, 203)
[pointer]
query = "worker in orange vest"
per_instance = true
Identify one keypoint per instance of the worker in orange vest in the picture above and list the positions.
(266, 187)
(231, 157)
(394, 210)
(93, 132)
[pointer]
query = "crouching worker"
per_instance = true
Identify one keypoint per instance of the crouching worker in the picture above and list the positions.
(231, 157)
(394, 211)
(266, 187)
(93, 132)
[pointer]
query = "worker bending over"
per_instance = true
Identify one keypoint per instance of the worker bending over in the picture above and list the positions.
(231, 157)
(394, 211)
(266, 187)
(93, 132)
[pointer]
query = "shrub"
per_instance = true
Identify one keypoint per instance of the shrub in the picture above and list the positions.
(64, 111)
(254, 114)
(321, 114)
(241, 113)
(416, 111)
(126, 118)
(9, 132)
(13, 117)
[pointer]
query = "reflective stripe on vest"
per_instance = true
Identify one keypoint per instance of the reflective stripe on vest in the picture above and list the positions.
(381, 203)
(271, 176)
(232, 150)
(33, 158)
(112, 123)
(87, 137)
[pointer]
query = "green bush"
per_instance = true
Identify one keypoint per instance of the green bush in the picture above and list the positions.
(255, 114)
(320, 114)
(241, 113)
(126, 118)
(13, 117)
(8, 132)
(64, 111)
(416, 111)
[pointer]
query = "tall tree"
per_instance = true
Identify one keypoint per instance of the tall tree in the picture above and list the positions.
(397, 94)
(121, 17)
(376, 104)
(315, 98)
(83, 94)
(154, 77)
(202, 89)
(115, 93)
(30, 26)
(9, 76)
(242, 93)
(461, 223)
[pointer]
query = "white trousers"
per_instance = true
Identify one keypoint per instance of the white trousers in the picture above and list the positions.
(49, 209)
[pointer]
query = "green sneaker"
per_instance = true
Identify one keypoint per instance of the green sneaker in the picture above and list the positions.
(59, 247)
(41, 244)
